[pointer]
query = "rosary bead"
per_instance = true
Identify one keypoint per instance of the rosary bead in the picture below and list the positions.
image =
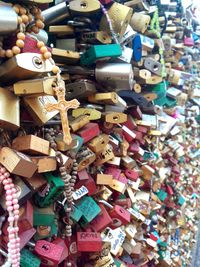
(16, 50)
(20, 43)
(21, 36)
(25, 19)
(2, 53)
(39, 24)
(30, 17)
(55, 69)
(22, 11)
(9, 53)
(47, 55)
(43, 49)
(35, 29)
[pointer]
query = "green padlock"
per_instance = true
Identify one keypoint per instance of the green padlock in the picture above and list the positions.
(170, 102)
(75, 214)
(28, 259)
(46, 231)
(43, 216)
(160, 89)
(89, 208)
(100, 52)
(51, 192)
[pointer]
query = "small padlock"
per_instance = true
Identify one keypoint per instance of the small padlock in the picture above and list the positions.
(89, 241)
(49, 253)
(119, 216)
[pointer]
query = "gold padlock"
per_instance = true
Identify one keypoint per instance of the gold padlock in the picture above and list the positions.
(91, 113)
(96, 37)
(36, 87)
(105, 98)
(98, 143)
(120, 16)
(79, 122)
(115, 117)
(61, 30)
(37, 110)
(9, 110)
(45, 164)
(104, 179)
(104, 155)
(84, 7)
(65, 56)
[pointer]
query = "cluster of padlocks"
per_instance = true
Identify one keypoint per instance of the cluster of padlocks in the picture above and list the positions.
(99, 133)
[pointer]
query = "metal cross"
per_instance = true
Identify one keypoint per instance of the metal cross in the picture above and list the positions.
(63, 106)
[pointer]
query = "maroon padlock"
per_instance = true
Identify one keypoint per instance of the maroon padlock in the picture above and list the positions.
(119, 216)
(49, 253)
(89, 131)
(59, 241)
(89, 183)
(89, 241)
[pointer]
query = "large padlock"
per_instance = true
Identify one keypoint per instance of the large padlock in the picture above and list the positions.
(89, 241)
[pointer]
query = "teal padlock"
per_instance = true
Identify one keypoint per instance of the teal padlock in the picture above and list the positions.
(100, 52)
(181, 200)
(160, 89)
(170, 102)
(75, 214)
(162, 195)
(55, 187)
(46, 231)
(28, 259)
(89, 208)
(43, 216)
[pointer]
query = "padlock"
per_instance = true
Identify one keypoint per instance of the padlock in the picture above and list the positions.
(61, 242)
(115, 117)
(65, 56)
(53, 189)
(24, 66)
(100, 52)
(104, 98)
(79, 122)
(43, 216)
(120, 16)
(9, 103)
(154, 66)
(88, 187)
(31, 144)
(105, 155)
(84, 8)
(116, 76)
(42, 86)
(89, 131)
(89, 241)
(17, 163)
(84, 158)
(119, 216)
(91, 113)
(140, 22)
(45, 164)
(28, 259)
(49, 253)
(80, 89)
(89, 208)
(98, 143)
(37, 110)
(96, 37)
(61, 144)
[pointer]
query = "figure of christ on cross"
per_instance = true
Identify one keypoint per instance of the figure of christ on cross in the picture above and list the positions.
(63, 106)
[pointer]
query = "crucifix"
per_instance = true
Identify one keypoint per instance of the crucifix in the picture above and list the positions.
(63, 106)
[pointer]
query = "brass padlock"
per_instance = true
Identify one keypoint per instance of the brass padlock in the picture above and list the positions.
(96, 37)
(105, 98)
(80, 89)
(65, 56)
(79, 122)
(36, 87)
(120, 16)
(9, 110)
(92, 114)
(84, 7)
(84, 158)
(115, 117)
(36, 108)
(104, 155)
(98, 143)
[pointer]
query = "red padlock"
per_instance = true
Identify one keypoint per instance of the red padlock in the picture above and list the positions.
(130, 123)
(115, 172)
(136, 112)
(169, 190)
(124, 202)
(89, 183)
(49, 253)
(122, 178)
(132, 175)
(59, 241)
(120, 216)
(101, 221)
(83, 175)
(89, 131)
(134, 147)
(89, 241)
(142, 129)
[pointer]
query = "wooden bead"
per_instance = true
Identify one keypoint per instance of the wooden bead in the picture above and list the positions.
(16, 50)
(9, 53)
(30, 17)
(19, 20)
(47, 55)
(55, 69)
(35, 29)
(25, 19)
(40, 44)
(2, 53)
(22, 11)
(34, 10)
(16, 8)
(21, 36)
(20, 43)
(39, 24)
(39, 16)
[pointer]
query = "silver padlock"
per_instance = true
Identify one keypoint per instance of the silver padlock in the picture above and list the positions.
(118, 76)
(8, 19)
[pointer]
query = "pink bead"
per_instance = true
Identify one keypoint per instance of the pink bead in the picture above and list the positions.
(15, 203)
(12, 185)
(16, 217)
(10, 208)
(8, 197)
(9, 192)
(7, 187)
(11, 219)
(16, 206)
(2, 170)
(12, 246)
(16, 212)
(7, 174)
(14, 195)
(16, 229)
(11, 230)
(5, 182)
(8, 203)
(13, 190)
(18, 240)
(13, 241)
(2, 178)
(11, 236)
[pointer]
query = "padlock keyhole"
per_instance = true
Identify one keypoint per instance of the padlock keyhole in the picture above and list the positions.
(83, 4)
(45, 247)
